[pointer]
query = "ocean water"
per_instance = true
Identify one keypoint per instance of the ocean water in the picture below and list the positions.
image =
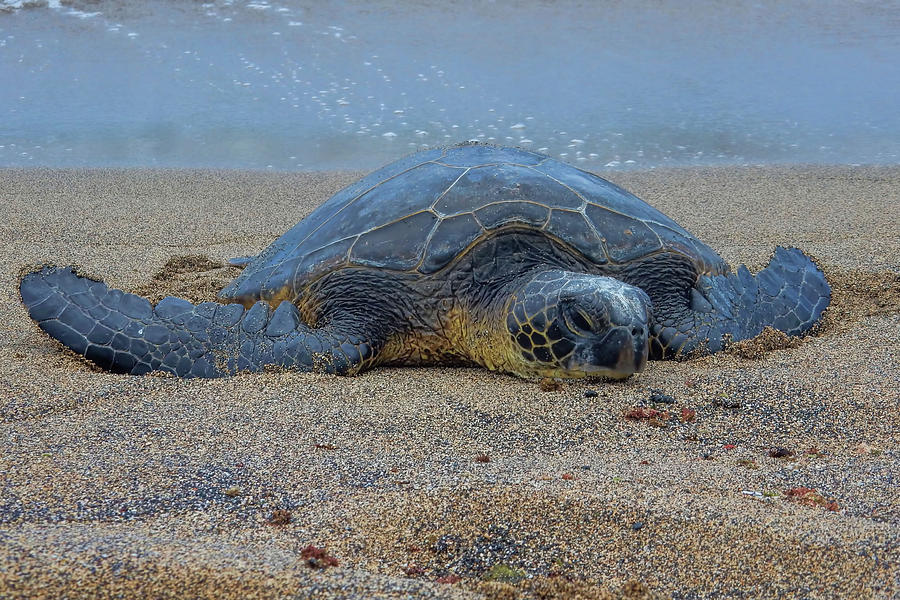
(316, 85)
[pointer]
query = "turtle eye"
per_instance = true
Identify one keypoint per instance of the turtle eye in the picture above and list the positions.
(577, 320)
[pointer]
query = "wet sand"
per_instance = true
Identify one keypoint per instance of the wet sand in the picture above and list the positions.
(768, 476)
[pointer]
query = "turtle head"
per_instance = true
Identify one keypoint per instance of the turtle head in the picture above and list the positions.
(565, 324)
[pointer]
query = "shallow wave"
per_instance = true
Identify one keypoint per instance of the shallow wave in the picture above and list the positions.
(271, 84)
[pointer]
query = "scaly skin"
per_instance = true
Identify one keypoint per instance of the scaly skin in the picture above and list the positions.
(124, 333)
(789, 295)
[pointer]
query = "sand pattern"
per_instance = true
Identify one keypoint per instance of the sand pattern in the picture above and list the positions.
(769, 470)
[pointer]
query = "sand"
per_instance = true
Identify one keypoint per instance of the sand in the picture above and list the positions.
(773, 473)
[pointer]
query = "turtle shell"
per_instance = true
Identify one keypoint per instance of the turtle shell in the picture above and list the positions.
(419, 213)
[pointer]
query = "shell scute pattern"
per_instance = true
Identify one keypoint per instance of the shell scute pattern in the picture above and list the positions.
(378, 247)
(423, 211)
(341, 200)
(451, 234)
(612, 201)
(498, 214)
(284, 259)
(496, 183)
(393, 200)
(402, 196)
(624, 238)
(591, 188)
(324, 258)
(574, 227)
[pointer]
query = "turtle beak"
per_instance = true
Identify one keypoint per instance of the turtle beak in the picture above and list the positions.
(621, 352)
(633, 356)
(631, 337)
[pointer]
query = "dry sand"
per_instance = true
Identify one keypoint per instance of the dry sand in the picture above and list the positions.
(450, 483)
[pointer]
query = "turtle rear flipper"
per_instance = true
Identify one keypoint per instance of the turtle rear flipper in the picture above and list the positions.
(124, 333)
(789, 295)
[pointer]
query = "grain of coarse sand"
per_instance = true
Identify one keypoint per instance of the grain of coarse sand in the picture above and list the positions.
(767, 471)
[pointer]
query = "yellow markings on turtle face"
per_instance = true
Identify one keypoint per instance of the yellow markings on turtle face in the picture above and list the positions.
(544, 350)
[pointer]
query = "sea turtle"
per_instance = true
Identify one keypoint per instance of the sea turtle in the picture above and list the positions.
(473, 254)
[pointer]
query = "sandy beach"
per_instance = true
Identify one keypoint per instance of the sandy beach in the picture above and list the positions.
(774, 473)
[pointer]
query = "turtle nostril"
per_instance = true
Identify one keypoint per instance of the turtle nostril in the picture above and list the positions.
(637, 331)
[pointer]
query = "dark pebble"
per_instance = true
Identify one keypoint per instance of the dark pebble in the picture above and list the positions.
(590, 393)
(727, 403)
(636, 525)
(780, 453)
(661, 398)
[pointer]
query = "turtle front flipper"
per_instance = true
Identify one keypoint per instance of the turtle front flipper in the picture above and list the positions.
(124, 333)
(241, 261)
(789, 295)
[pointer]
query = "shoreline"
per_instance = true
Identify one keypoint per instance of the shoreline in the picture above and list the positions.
(112, 484)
